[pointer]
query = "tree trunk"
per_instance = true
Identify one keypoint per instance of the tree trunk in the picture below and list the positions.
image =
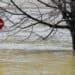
(73, 38)
(72, 24)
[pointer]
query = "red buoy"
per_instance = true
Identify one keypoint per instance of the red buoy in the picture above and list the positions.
(1, 23)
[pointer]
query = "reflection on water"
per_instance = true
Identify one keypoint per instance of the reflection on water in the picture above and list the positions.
(20, 62)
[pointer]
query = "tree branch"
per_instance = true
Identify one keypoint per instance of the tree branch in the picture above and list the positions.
(10, 12)
(35, 19)
(47, 4)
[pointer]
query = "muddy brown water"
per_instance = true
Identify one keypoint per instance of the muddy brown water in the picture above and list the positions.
(20, 62)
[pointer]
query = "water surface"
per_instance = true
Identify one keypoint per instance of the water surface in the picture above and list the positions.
(20, 62)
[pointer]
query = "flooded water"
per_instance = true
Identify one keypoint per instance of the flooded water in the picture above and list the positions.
(25, 61)
(20, 62)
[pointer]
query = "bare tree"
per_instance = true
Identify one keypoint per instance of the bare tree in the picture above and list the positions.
(62, 12)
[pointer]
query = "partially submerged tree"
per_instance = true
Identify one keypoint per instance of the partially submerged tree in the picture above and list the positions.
(64, 18)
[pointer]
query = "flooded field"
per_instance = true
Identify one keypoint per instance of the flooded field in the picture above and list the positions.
(20, 62)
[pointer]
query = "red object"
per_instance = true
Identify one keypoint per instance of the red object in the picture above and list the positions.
(1, 23)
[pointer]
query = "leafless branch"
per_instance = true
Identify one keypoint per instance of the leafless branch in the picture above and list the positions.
(35, 19)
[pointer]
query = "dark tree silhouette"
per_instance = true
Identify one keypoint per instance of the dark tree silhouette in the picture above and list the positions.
(64, 8)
